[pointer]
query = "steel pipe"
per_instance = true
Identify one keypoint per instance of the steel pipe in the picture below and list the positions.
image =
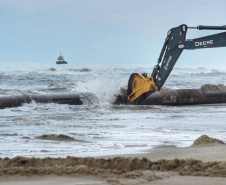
(186, 97)
(71, 99)
(174, 97)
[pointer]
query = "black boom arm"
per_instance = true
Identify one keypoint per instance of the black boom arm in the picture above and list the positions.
(175, 43)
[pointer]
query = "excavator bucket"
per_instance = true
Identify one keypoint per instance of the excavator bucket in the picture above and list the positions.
(140, 86)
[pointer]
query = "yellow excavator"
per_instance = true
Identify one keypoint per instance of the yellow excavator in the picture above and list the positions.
(141, 85)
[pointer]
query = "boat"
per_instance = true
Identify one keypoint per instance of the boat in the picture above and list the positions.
(60, 60)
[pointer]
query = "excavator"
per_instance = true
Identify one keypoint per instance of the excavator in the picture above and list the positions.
(141, 85)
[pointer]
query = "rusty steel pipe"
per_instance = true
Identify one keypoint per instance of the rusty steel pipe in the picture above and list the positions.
(71, 99)
(186, 97)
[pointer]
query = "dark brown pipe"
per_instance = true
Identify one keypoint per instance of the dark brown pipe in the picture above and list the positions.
(71, 99)
(186, 97)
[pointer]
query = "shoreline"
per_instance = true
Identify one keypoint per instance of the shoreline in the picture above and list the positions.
(205, 153)
(204, 163)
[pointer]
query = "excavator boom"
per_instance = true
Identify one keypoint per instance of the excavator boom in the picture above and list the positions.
(141, 85)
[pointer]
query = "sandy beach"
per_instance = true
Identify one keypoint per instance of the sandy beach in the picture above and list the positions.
(202, 163)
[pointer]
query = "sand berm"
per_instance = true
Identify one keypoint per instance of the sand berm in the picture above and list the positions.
(148, 167)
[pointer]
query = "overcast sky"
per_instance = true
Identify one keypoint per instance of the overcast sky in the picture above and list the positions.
(104, 31)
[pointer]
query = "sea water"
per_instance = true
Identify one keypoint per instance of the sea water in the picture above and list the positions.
(101, 128)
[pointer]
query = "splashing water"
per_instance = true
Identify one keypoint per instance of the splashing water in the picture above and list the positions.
(101, 128)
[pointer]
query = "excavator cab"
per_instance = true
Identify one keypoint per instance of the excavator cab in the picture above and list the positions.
(141, 85)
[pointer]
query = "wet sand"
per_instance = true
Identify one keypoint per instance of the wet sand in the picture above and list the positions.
(167, 179)
(202, 163)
